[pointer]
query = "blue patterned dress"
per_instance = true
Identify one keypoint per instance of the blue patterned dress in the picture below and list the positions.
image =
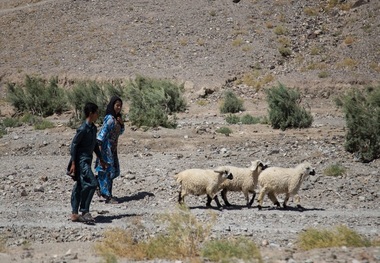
(108, 140)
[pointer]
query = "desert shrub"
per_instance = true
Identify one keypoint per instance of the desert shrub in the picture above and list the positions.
(115, 89)
(245, 119)
(11, 122)
(249, 119)
(285, 110)
(323, 74)
(202, 102)
(284, 51)
(226, 250)
(37, 122)
(232, 119)
(362, 115)
(231, 103)
(87, 91)
(340, 236)
(255, 80)
(224, 130)
(42, 124)
(181, 239)
(29, 118)
(2, 245)
(38, 96)
(280, 30)
(153, 100)
(334, 170)
(3, 130)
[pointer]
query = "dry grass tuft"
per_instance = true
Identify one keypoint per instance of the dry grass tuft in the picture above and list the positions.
(340, 236)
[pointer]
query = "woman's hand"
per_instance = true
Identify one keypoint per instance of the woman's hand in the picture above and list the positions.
(103, 164)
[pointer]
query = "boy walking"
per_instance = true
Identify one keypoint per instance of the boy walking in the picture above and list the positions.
(82, 147)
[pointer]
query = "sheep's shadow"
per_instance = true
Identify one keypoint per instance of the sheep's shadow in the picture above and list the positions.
(108, 219)
(206, 207)
(292, 208)
(238, 207)
(135, 197)
(270, 208)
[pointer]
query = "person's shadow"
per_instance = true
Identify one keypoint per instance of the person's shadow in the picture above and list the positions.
(135, 197)
(109, 218)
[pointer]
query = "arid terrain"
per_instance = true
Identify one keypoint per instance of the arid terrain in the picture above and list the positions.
(213, 45)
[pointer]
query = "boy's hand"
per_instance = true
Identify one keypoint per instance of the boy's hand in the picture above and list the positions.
(72, 169)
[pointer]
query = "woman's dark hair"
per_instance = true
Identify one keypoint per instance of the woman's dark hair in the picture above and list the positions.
(90, 108)
(110, 107)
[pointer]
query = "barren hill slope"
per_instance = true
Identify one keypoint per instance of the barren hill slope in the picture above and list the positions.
(207, 42)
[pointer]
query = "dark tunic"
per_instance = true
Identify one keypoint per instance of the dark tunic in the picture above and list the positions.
(83, 146)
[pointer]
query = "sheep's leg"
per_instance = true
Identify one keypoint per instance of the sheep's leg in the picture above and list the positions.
(209, 199)
(261, 197)
(217, 201)
(181, 197)
(273, 198)
(286, 200)
(252, 199)
(297, 200)
(224, 197)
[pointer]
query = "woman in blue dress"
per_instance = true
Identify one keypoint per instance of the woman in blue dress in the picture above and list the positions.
(108, 136)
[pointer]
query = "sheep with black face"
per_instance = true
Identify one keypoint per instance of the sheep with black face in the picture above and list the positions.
(280, 180)
(202, 182)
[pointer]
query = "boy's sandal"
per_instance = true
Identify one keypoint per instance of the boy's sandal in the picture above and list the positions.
(88, 218)
(78, 218)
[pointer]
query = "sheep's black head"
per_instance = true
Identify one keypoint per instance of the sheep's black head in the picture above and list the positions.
(263, 166)
(312, 171)
(258, 165)
(227, 174)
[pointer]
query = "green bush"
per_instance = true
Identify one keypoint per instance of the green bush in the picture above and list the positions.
(88, 91)
(227, 250)
(152, 101)
(232, 119)
(285, 110)
(38, 96)
(245, 119)
(43, 124)
(224, 130)
(249, 119)
(334, 170)
(11, 122)
(231, 103)
(362, 115)
(3, 130)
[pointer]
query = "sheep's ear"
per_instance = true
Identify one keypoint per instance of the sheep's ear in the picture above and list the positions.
(219, 170)
(255, 164)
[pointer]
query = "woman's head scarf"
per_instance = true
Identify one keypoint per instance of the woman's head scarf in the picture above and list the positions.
(111, 106)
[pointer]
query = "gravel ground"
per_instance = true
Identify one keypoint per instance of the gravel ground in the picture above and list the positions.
(207, 44)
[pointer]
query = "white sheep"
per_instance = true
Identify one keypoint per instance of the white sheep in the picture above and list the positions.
(279, 180)
(201, 181)
(245, 180)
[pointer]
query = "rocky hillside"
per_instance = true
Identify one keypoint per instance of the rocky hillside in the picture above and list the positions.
(300, 43)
